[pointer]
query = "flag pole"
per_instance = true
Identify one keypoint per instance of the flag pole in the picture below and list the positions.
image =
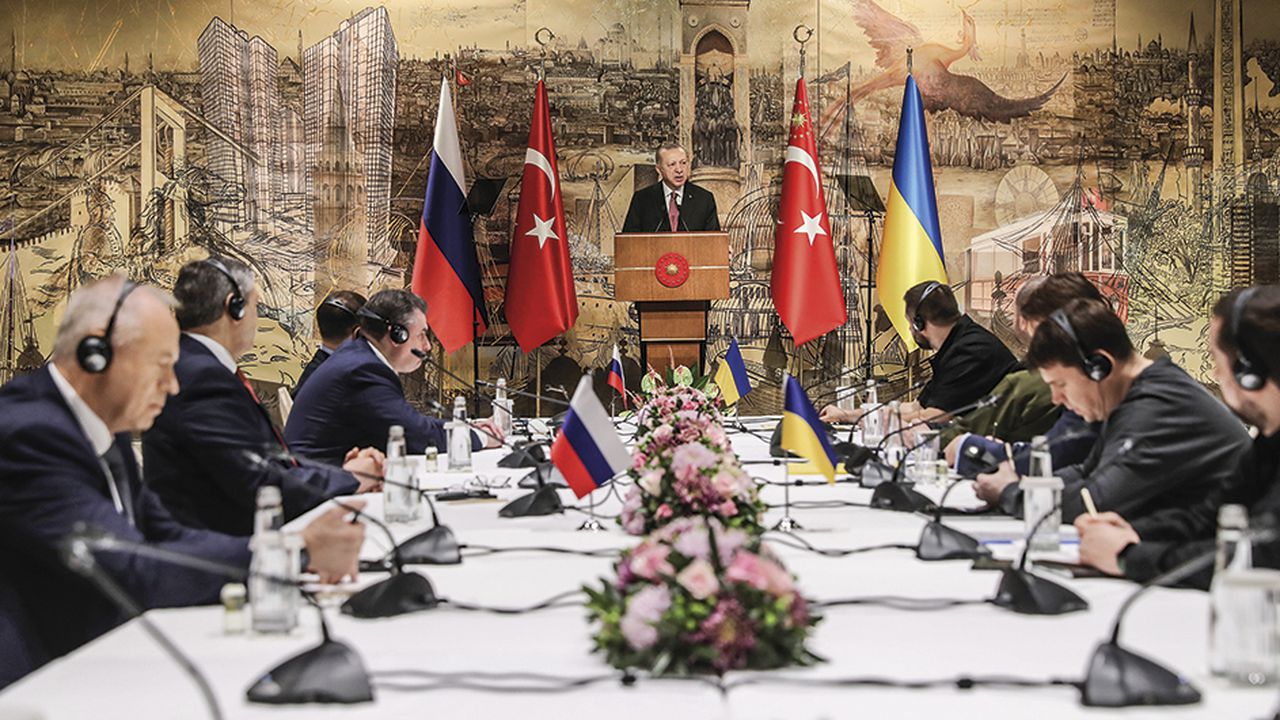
(802, 34)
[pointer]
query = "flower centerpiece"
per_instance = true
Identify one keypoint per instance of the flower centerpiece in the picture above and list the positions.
(698, 597)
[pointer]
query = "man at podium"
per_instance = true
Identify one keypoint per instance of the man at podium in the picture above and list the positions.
(674, 204)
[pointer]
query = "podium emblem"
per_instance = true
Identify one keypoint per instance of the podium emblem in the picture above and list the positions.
(672, 270)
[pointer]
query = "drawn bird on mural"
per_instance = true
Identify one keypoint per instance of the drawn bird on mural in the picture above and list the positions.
(940, 88)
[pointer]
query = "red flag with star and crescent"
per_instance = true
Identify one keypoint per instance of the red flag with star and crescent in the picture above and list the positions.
(541, 302)
(805, 284)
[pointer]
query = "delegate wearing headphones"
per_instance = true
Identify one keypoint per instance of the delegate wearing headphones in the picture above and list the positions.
(969, 361)
(355, 397)
(1244, 334)
(338, 320)
(1182, 443)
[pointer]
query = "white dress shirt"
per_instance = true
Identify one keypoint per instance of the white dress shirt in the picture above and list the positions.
(216, 348)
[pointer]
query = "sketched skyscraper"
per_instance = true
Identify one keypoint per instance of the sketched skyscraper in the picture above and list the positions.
(241, 98)
(350, 78)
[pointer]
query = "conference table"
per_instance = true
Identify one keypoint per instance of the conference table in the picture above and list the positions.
(450, 662)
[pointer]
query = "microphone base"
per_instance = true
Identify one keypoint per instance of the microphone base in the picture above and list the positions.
(543, 501)
(1120, 678)
(400, 594)
(939, 542)
(331, 672)
(900, 497)
(436, 546)
(591, 525)
(787, 524)
(543, 474)
(1028, 594)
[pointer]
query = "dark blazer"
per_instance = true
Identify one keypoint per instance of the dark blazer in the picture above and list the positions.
(968, 365)
(352, 401)
(20, 654)
(194, 454)
(51, 480)
(648, 211)
(316, 360)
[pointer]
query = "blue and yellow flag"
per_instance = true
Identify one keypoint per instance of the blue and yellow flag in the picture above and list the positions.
(731, 376)
(912, 250)
(802, 432)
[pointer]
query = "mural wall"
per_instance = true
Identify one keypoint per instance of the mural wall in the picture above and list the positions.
(1132, 140)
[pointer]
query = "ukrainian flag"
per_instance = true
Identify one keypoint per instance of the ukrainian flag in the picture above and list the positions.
(912, 249)
(731, 376)
(802, 432)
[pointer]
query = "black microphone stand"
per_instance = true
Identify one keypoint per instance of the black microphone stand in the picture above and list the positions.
(1024, 592)
(331, 672)
(942, 542)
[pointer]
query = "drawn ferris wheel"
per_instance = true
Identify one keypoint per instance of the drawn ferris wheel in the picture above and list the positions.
(1024, 190)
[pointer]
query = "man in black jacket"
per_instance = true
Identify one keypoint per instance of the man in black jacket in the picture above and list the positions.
(337, 322)
(197, 453)
(674, 204)
(66, 461)
(1244, 338)
(1165, 442)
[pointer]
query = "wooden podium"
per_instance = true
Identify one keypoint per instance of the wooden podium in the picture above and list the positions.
(672, 278)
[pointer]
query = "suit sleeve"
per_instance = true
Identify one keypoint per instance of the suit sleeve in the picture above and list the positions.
(632, 223)
(44, 499)
(713, 217)
(223, 426)
(420, 431)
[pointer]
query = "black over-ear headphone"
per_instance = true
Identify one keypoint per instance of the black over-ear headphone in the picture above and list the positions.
(94, 351)
(1096, 365)
(398, 333)
(917, 320)
(1250, 372)
(335, 302)
(235, 306)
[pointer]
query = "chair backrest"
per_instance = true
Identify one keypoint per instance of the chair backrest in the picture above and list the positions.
(286, 403)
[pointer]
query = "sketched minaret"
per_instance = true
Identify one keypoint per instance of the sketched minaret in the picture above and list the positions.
(350, 77)
(1193, 153)
(240, 96)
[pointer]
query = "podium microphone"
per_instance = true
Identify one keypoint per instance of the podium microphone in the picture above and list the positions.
(331, 672)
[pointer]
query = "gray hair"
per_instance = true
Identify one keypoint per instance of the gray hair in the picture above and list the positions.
(202, 290)
(657, 154)
(89, 311)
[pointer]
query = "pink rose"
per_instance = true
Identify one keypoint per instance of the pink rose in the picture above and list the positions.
(728, 508)
(777, 580)
(649, 561)
(663, 512)
(699, 579)
(651, 482)
(746, 568)
(689, 459)
(643, 611)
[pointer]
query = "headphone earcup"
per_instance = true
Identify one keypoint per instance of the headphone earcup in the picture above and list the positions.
(399, 333)
(1098, 367)
(235, 307)
(1249, 378)
(94, 354)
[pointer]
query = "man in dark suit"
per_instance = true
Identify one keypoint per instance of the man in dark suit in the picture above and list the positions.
(196, 453)
(674, 204)
(356, 396)
(66, 461)
(336, 319)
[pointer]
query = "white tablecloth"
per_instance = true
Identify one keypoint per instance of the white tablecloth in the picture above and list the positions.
(125, 675)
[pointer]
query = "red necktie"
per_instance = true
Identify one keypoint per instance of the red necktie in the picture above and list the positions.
(279, 438)
(673, 212)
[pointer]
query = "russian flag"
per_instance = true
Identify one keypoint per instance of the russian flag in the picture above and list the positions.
(587, 451)
(615, 376)
(445, 271)
(802, 432)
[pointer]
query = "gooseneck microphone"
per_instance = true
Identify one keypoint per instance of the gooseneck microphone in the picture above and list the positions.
(331, 672)
(1024, 592)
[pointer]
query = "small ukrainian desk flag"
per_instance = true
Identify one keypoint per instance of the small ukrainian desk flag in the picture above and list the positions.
(802, 432)
(731, 376)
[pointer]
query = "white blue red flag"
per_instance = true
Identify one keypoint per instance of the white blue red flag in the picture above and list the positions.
(587, 451)
(445, 271)
(616, 380)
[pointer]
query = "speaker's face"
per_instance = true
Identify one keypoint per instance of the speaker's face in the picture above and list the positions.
(401, 355)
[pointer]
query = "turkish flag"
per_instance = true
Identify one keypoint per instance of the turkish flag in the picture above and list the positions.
(541, 302)
(805, 284)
